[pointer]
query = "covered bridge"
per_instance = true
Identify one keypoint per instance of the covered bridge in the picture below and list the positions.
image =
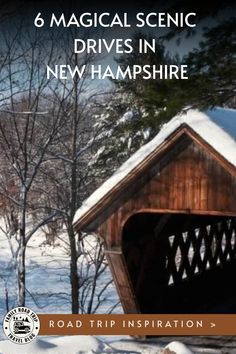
(168, 218)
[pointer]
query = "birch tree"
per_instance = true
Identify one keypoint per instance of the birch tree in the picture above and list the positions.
(27, 129)
(47, 137)
(73, 157)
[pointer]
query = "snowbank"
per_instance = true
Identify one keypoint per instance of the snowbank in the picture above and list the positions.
(176, 348)
(110, 345)
(57, 345)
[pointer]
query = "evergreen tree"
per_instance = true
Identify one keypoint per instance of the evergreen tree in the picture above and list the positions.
(145, 98)
(129, 117)
(211, 71)
(139, 107)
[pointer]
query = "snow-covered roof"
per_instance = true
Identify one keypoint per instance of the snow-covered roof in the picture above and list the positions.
(217, 127)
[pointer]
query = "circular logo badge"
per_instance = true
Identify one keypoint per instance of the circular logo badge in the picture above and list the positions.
(21, 325)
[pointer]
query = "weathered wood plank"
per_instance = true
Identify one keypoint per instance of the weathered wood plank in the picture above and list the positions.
(122, 281)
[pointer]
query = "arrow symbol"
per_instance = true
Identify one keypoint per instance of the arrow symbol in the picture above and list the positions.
(213, 325)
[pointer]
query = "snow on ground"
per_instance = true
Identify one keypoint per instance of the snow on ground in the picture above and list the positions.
(59, 345)
(178, 347)
(47, 278)
(92, 345)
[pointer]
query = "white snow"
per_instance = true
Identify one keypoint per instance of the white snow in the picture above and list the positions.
(177, 348)
(93, 345)
(217, 127)
(57, 345)
(47, 277)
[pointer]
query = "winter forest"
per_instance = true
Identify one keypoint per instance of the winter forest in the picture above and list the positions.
(60, 139)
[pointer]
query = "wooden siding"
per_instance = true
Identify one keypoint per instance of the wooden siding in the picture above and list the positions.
(190, 182)
(122, 280)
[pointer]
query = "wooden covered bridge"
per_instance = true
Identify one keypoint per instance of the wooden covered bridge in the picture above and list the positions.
(168, 218)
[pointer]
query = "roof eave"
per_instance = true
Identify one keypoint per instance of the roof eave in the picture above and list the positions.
(96, 209)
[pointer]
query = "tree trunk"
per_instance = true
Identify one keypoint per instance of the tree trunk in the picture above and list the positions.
(21, 272)
(74, 278)
(22, 249)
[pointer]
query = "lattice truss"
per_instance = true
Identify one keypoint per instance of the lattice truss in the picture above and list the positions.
(197, 250)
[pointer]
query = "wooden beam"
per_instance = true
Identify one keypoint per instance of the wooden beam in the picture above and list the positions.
(122, 280)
